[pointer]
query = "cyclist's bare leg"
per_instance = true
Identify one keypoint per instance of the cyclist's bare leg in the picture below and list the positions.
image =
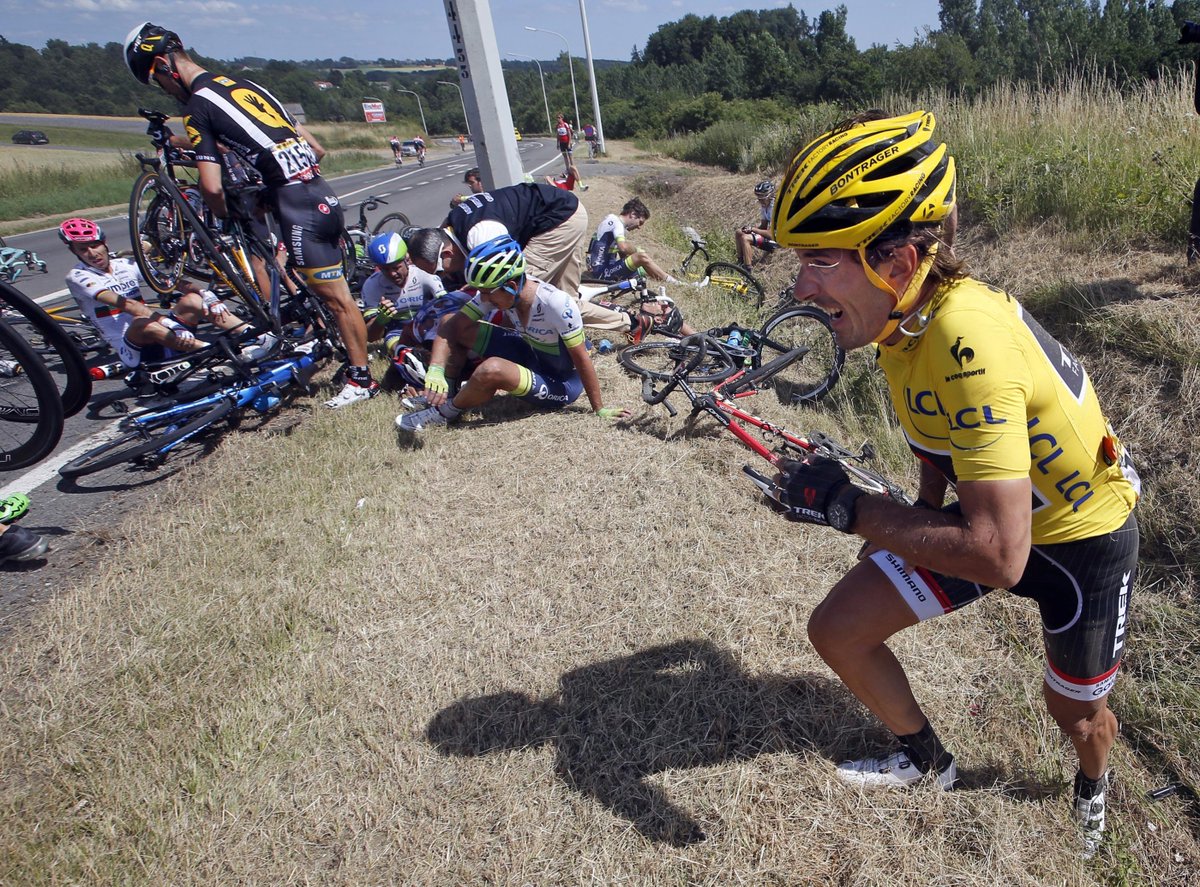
(745, 256)
(336, 296)
(848, 630)
(640, 260)
(1089, 724)
(493, 375)
(190, 311)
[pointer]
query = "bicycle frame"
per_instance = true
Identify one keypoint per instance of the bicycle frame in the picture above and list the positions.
(163, 163)
(718, 405)
(273, 379)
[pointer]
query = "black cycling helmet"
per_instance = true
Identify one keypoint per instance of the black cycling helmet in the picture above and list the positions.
(144, 44)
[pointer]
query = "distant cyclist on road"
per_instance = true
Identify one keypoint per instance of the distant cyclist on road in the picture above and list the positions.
(394, 141)
(989, 403)
(419, 144)
(221, 111)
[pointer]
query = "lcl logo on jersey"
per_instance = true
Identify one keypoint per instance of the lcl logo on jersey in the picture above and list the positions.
(258, 108)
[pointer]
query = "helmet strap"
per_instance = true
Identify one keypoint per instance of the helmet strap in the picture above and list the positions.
(900, 315)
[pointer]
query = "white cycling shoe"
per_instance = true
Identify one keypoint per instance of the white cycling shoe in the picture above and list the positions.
(1089, 816)
(894, 771)
(352, 393)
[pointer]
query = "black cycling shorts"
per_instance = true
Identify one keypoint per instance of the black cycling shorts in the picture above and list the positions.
(1082, 590)
(310, 219)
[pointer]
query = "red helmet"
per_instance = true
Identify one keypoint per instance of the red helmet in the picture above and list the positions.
(80, 231)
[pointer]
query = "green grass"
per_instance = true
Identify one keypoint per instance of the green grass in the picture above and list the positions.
(78, 137)
(32, 191)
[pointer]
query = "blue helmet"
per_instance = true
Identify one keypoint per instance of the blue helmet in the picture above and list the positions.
(495, 262)
(386, 249)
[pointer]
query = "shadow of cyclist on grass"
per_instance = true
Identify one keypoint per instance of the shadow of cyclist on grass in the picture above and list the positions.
(681, 705)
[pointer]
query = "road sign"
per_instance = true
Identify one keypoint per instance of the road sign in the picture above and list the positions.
(373, 112)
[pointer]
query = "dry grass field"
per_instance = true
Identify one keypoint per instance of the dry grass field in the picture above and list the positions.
(543, 649)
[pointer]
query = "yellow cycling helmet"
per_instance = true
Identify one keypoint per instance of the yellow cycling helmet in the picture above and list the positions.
(848, 187)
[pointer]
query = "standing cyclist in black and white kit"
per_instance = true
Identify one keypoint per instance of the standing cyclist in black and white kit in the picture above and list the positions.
(239, 115)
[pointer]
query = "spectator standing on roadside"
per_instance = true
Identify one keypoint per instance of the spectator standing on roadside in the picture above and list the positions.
(564, 136)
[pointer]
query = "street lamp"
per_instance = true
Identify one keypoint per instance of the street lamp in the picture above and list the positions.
(419, 108)
(570, 66)
(545, 101)
(461, 99)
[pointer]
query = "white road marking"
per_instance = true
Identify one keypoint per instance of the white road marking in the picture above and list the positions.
(48, 469)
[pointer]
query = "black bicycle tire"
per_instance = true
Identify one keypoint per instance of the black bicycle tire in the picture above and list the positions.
(746, 289)
(134, 444)
(810, 378)
(392, 222)
(685, 273)
(650, 358)
(46, 428)
(162, 283)
(75, 387)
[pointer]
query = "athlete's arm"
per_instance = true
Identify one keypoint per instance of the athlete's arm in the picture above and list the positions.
(317, 147)
(132, 307)
(587, 373)
(988, 543)
(211, 187)
(451, 331)
(932, 486)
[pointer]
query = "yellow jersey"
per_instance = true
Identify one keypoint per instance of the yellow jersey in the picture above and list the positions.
(985, 393)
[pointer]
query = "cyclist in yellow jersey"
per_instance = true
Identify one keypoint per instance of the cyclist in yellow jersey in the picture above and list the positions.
(991, 404)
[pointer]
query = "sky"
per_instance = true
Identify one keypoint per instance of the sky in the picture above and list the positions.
(370, 29)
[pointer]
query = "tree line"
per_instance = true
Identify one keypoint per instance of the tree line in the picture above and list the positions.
(751, 65)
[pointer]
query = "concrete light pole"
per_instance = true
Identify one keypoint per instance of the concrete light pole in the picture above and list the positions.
(545, 101)
(461, 99)
(570, 66)
(419, 108)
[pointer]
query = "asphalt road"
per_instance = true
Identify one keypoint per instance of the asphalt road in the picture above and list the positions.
(73, 514)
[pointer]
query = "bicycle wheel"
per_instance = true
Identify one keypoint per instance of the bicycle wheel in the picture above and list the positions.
(153, 436)
(156, 229)
(392, 223)
(735, 280)
(660, 360)
(31, 413)
(810, 378)
(54, 344)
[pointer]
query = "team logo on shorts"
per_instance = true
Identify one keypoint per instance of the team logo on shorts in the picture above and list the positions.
(323, 208)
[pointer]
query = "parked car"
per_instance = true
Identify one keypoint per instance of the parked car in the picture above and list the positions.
(30, 137)
(408, 148)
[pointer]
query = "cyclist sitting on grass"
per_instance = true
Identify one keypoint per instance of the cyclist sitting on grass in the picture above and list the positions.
(757, 236)
(990, 403)
(542, 359)
(107, 290)
(395, 292)
(611, 257)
